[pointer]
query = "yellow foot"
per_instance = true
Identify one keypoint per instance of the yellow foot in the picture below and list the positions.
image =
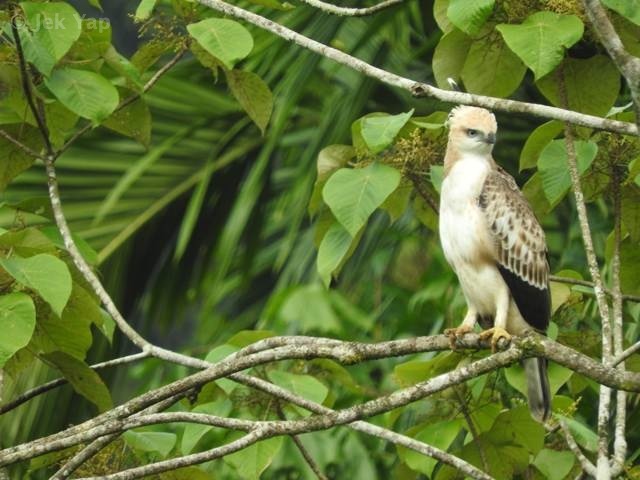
(496, 333)
(456, 333)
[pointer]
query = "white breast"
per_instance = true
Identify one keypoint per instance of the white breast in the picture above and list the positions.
(464, 234)
(462, 223)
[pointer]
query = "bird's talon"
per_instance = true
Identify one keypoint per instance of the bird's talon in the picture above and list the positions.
(496, 334)
(455, 333)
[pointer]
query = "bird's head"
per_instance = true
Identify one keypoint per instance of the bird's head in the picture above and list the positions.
(472, 130)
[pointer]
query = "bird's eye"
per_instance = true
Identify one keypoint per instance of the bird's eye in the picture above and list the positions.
(471, 132)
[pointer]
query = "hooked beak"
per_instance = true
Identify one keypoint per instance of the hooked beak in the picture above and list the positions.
(491, 138)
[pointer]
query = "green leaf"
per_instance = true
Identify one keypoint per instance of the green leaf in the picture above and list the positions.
(332, 158)
(193, 432)
(541, 39)
(144, 10)
(247, 337)
(151, 442)
(584, 436)
(47, 275)
(554, 169)
(449, 57)
(592, 85)
(96, 4)
(558, 376)
(94, 40)
(88, 94)
(133, 121)
(379, 132)
(470, 15)
(51, 30)
(303, 385)
(225, 39)
(309, 309)
(83, 379)
(70, 333)
(630, 209)
(17, 323)
(536, 142)
(627, 8)
(516, 426)
(253, 94)
(27, 242)
(250, 462)
(354, 194)
(13, 160)
(124, 67)
(505, 74)
(218, 354)
(553, 464)
(629, 271)
(440, 435)
(333, 249)
(440, 8)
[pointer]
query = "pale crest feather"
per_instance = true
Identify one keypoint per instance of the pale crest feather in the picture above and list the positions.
(519, 238)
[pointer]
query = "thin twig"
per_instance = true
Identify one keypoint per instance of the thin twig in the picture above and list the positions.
(603, 306)
(586, 465)
(472, 428)
(424, 193)
(26, 86)
(39, 390)
(420, 89)
(307, 457)
(26, 149)
(628, 65)
(351, 12)
(587, 283)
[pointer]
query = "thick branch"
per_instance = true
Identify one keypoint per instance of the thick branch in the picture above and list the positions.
(418, 88)
(340, 417)
(346, 353)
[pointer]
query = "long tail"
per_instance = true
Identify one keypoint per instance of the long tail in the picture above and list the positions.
(539, 395)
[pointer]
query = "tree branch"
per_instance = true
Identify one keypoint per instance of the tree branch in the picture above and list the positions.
(586, 465)
(92, 449)
(587, 283)
(26, 85)
(346, 353)
(28, 150)
(628, 65)
(351, 12)
(620, 442)
(34, 392)
(420, 89)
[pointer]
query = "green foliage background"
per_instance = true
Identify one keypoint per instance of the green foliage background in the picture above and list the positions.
(220, 207)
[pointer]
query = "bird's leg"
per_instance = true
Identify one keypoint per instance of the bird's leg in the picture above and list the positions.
(499, 329)
(465, 327)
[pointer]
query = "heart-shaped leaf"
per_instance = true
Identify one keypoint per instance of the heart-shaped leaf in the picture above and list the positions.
(46, 274)
(540, 41)
(226, 40)
(17, 323)
(353, 194)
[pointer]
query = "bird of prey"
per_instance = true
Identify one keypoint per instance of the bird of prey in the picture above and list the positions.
(495, 245)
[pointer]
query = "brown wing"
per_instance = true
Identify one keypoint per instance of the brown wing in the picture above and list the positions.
(520, 246)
